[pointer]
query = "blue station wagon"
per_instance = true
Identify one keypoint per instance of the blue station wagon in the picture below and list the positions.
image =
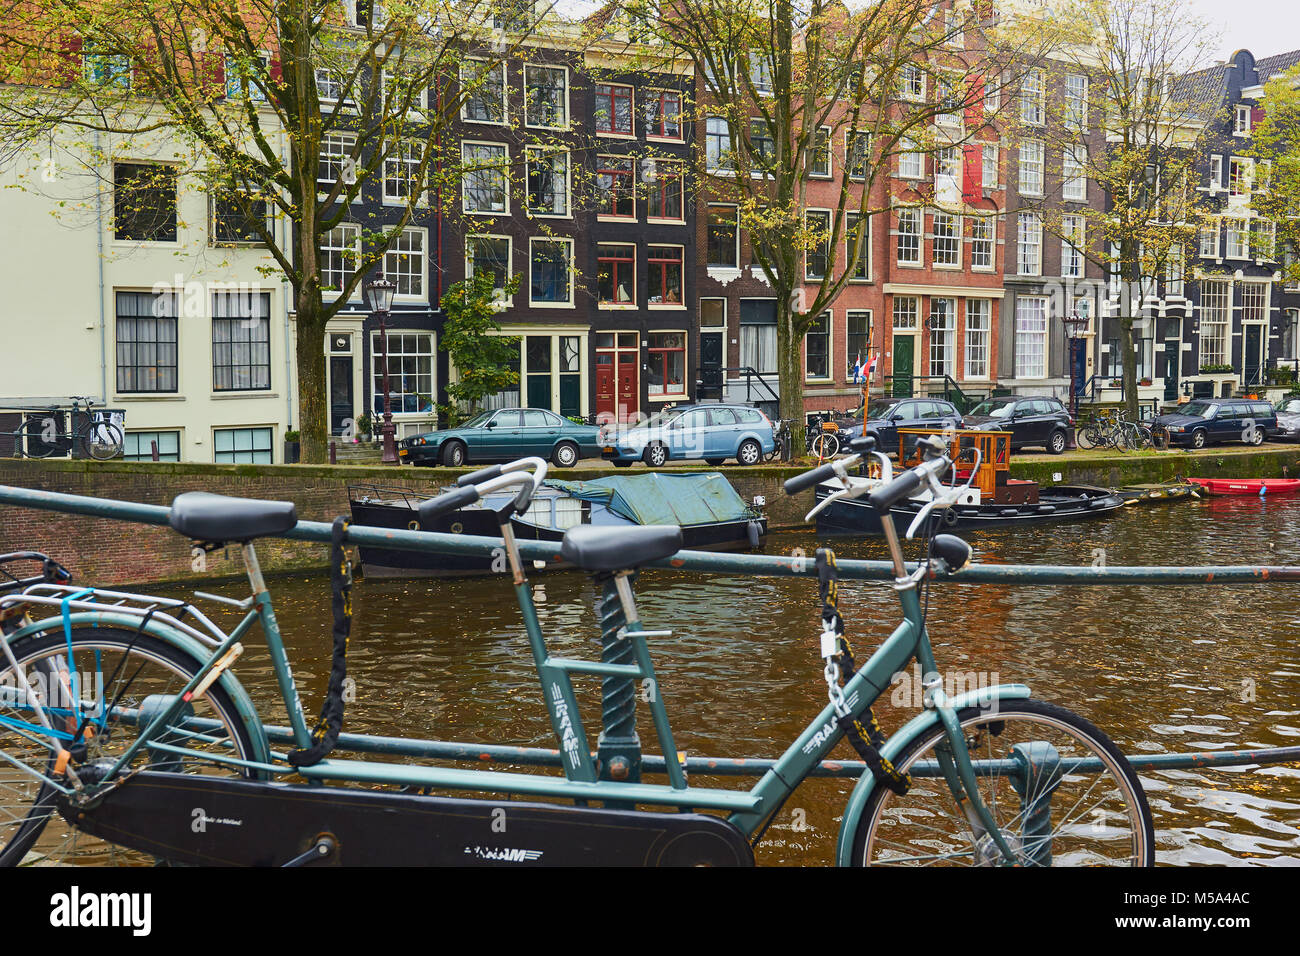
(503, 436)
(713, 433)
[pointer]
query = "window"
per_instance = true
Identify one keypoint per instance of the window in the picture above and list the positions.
(762, 145)
(1216, 316)
(548, 182)
(402, 173)
(1254, 301)
(240, 82)
(238, 219)
(981, 242)
(546, 96)
(1031, 168)
(1216, 173)
(977, 338)
(1076, 101)
(336, 163)
(405, 263)
(512, 16)
(1074, 182)
(144, 202)
(947, 175)
(1032, 105)
(1237, 233)
(241, 341)
(912, 83)
(989, 174)
(232, 446)
(138, 446)
(907, 313)
(551, 269)
(613, 109)
(1209, 240)
(947, 239)
(1241, 121)
(410, 371)
(854, 224)
(488, 254)
(758, 334)
(1262, 235)
(819, 153)
(911, 162)
(950, 102)
(484, 86)
(760, 74)
(1072, 246)
(1241, 175)
(713, 313)
(1174, 264)
(943, 331)
(666, 360)
(992, 94)
(724, 236)
(856, 150)
(108, 70)
(665, 190)
(909, 236)
(817, 348)
(858, 325)
(484, 177)
(818, 248)
(1031, 337)
(146, 341)
(663, 114)
(616, 274)
(340, 249)
(362, 13)
(1029, 244)
(717, 145)
(329, 86)
(615, 193)
(665, 276)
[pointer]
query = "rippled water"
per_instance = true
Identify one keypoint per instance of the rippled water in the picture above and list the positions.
(1159, 668)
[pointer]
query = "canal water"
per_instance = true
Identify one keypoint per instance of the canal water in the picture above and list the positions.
(1187, 668)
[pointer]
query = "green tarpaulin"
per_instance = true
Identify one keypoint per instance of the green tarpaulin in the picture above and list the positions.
(659, 498)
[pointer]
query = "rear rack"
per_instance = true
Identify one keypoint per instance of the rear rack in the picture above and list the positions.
(67, 598)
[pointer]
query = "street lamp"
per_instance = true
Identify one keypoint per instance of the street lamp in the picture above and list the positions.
(1075, 323)
(379, 296)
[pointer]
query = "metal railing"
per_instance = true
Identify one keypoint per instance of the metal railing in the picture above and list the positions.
(936, 386)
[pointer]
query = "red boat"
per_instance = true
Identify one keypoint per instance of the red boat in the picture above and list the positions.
(1248, 486)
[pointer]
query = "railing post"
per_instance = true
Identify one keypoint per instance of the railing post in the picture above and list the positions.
(153, 450)
(618, 749)
(1039, 776)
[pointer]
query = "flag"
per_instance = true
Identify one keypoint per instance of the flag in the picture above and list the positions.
(871, 367)
(857, 369)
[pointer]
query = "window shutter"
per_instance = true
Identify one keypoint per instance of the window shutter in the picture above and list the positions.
(975, 102)
(972, 184)
(274, 69)
(1256, 116)
(212, 73)
(71, 65)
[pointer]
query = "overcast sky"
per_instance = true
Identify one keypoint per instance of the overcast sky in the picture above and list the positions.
(1263, 27)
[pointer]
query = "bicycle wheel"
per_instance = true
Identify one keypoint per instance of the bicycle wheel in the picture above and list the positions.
(102, 441)
(825, 445)
(101, 678)
(1086, 437)
(33, 436)
(1091, 817)
(1145, 439)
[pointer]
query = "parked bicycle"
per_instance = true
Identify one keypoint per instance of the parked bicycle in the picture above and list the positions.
(1114, 430)
(123, 725)
(43, 434)
(821, 436)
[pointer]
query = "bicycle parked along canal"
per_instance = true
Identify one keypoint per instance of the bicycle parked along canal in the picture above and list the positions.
(126, 734)
(43, 434)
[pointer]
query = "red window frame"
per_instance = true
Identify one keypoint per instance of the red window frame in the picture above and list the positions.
(627, 259)
(621, 186)
(660, 129)
(669, 388)
(660, 258)
(611, 93)
(668, 175)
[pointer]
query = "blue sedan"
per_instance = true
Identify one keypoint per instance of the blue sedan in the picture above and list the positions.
(504, 435)
(711, 432)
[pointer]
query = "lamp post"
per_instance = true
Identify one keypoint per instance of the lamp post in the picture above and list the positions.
(1075, 323)
(379, 295)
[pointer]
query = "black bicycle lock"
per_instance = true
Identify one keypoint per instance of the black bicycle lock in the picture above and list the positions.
(326, 734)
(868, 738)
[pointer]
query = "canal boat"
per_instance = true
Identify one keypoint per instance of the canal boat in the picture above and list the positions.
(993, 500)
(1248, 486)
(710, 512)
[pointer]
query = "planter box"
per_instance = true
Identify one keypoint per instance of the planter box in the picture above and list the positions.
(292, 452)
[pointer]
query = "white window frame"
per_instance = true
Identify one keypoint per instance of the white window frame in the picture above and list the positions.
(918, 234)
(824, 216)
(1216, 173)
(390, 271)
(829, 316)
(1031, 363)
(1073, 242)
(989, 157)
(1216, 321)
(952, 241)
(986, 242)
(1033, 155)
(976, 339)
(912, 84)
(942, 339)
(548, 153)
(399, 158)
(1074, 174)
(342, 251)
(1033, 98)
(867, 257)
(565, 240)
(911, 162)
(1241, 128)
(474, 65)
(568, 105)
(505, 173)
(1029, 241)
(830, 154)
(502, 298)
(1236, 238)
(735, 209)
(1076, 102)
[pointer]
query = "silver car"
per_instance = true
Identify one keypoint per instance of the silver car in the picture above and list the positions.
(1288, 419)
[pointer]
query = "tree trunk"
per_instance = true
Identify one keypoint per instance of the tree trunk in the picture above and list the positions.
(1130, 368)
(313, 404)
(789, 368)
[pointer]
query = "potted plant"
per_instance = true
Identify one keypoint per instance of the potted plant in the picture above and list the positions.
(1145, 381)
(365, 426)
(1116, 383)
(292, 447)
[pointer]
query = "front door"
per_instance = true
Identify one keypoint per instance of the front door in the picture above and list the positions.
(1170, 369)
(904, 347)
(606, 388)
(341, 408)
(627, 385)
(1253, 360)
(711, 347)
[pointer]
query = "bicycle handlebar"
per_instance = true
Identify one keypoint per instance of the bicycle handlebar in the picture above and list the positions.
(474, 486)
(809, 479)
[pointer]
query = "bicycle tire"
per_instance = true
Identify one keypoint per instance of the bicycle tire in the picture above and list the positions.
(1086, 437)
(825, 446)
(23, 832)
(102, 451)
(873, 824)
(32, 435)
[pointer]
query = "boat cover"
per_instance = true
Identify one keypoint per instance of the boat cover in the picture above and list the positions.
(657, 498)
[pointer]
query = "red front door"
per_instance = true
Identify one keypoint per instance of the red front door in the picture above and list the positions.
(627, 382)
(606, 397)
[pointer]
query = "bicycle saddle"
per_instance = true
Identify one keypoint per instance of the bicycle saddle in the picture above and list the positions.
(617, 549)
(207, 517)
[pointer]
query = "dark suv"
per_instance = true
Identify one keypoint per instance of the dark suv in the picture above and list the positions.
(1031, 419)
(1205, 420)
(886, 415)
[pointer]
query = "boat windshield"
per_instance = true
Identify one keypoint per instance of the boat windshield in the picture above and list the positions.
(994, 407)
(1199, 409)
(479, 420)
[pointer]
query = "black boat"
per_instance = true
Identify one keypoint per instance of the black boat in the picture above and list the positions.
(995, 499)
(711, 514)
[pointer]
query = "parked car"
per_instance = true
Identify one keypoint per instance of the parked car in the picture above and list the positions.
(504, 435)
(1206, 420)
(1031, 419)
(711, 432)
(884, 416)
(1288, 419)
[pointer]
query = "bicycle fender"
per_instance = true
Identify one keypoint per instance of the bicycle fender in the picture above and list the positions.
(169, 635)
(895, 745)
